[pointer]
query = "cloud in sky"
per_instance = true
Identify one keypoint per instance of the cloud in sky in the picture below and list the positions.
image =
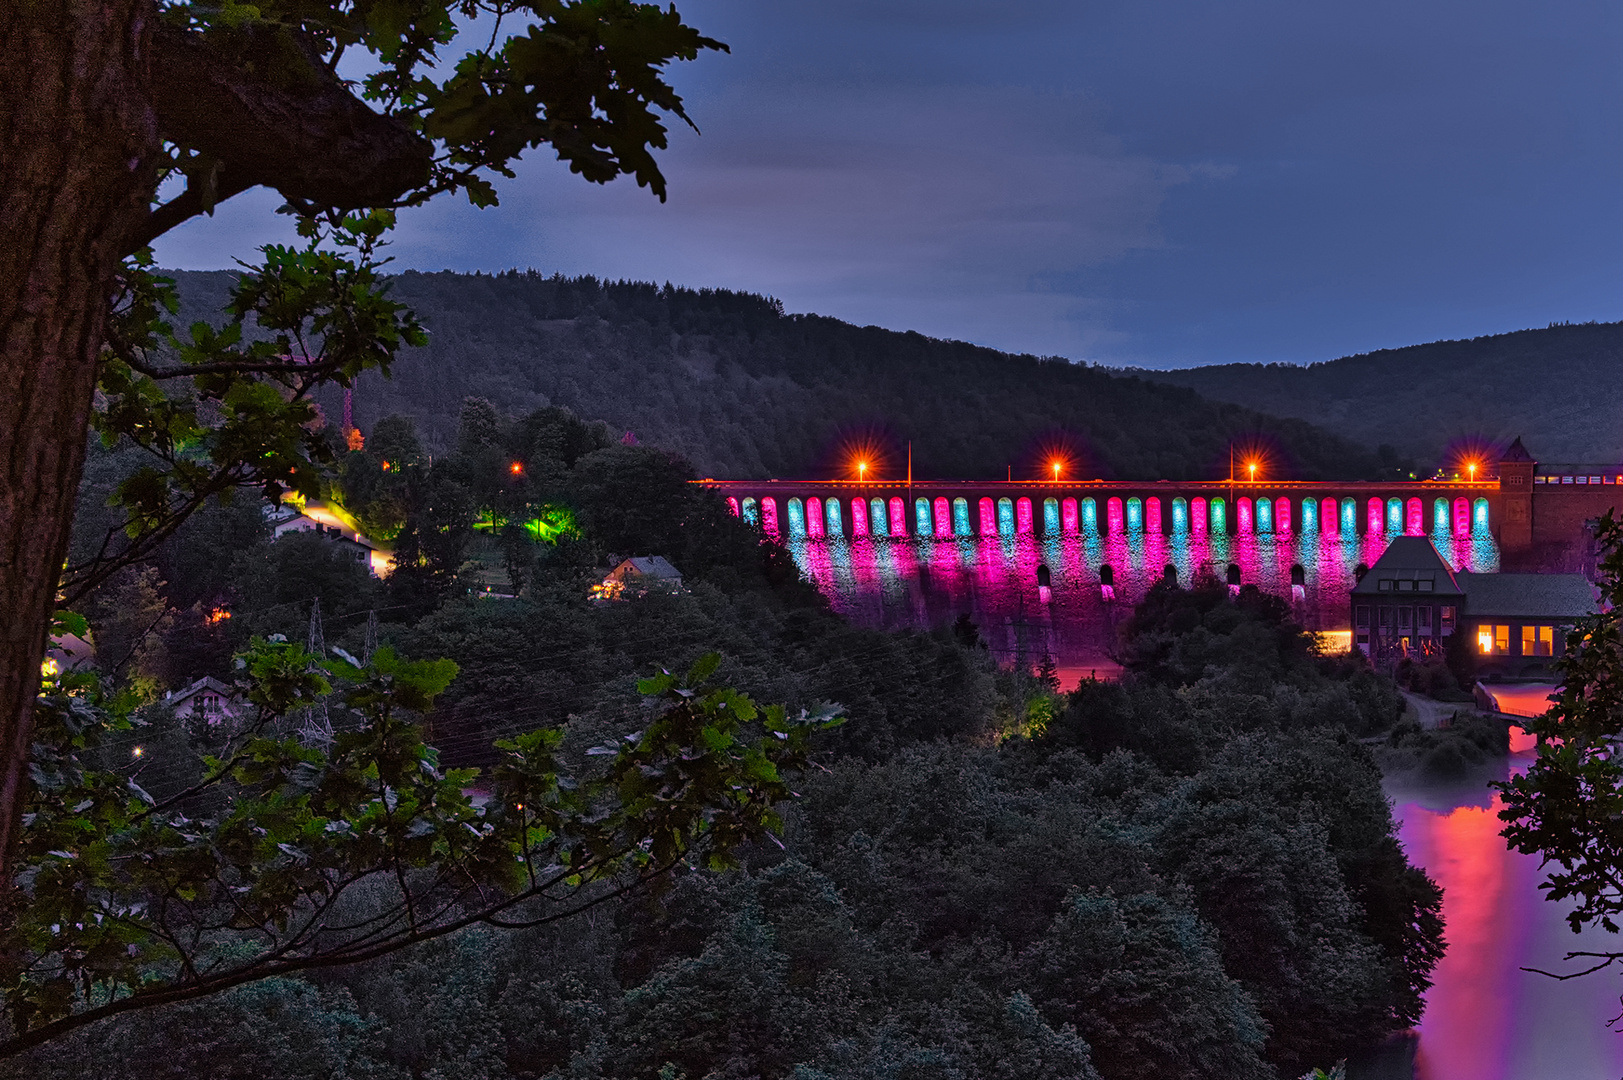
(1160, 182)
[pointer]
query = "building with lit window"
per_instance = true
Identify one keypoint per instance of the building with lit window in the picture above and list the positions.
(1518, 623)
(1410, 602)
(1407, 603)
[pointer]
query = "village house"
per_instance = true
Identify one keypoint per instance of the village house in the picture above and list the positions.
(206, 699)
(638, 576)
(332, 523)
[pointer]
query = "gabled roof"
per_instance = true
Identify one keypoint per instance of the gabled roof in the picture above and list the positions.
(207, 682)
(654, 566)
(1410, 558)
(1527, 596)
(1516, 452)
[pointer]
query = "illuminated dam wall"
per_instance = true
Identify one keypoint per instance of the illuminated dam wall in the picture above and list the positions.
(1050, 571)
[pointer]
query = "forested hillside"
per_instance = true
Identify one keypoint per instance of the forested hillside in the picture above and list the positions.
(741, 389)
(1557, 388)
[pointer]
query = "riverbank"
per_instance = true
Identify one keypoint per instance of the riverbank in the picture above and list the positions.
(1486, 1017)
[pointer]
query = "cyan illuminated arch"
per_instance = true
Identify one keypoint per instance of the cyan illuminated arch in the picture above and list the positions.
(1135, 515)
(750, 511)
(960, 517)
(797, 520)
(1090, 517)
(1005, 517)
(878, 517)
(921, 517)
(1439, 517)
(1180, 515)
(1479, 518)
(1394, 516)
(1051, 517)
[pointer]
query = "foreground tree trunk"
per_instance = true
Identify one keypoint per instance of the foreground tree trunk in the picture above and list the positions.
(81, 146)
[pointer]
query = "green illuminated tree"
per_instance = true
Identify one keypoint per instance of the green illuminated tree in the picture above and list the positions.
(125, 118)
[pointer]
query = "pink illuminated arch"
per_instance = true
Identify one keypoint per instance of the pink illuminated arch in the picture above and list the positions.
(1152, 514)
(1376, 524)
(898, 517)
(943, 517)
(1330, 517)
(1113, 514)
(859, 517)
(1242, 510)
(769, 515)
(1282, 515)
(988, 518)
(1067, 516)
(1022, 515)
(1415, 518)
(1462, 517)
(732, 506)
(814, 516)
(1197, 516)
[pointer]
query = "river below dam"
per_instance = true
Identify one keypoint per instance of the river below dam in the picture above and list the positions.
(1486, 1018)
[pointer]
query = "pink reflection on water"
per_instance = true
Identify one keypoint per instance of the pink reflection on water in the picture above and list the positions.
(1466, 1027)
(1486, 1018)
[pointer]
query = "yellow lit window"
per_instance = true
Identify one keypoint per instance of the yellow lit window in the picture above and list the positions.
(1538, 641)
(1484, 640)
(1501, 638)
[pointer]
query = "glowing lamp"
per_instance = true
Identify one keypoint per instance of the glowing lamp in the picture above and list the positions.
(385, 466)
(516, 468)
(1054, 465)
(1251, 467)
(862, 470)
(137, 752)
(1470, 467)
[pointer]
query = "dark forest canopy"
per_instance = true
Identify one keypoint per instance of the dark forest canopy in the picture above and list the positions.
(742, 389)
(1556, 388)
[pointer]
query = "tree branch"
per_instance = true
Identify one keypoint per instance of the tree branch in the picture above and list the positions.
(261, 101)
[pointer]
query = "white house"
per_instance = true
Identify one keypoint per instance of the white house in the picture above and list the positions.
(207, 699)
(333, 523)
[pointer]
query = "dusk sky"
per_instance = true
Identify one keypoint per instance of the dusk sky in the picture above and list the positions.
(1156, 182)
